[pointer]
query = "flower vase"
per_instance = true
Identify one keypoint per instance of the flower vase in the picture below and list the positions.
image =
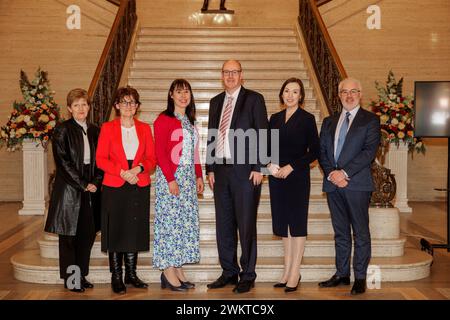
(35, 178)
(397, 161)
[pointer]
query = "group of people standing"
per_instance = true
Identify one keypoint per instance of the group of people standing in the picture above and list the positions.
(103, 183)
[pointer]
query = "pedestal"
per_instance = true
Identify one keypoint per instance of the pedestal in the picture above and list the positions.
(35, 178)
(397, 161)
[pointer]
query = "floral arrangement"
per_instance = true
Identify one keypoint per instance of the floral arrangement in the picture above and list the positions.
(396, 114)
(36, 118)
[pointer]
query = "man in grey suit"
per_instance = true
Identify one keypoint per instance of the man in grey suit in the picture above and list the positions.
(348, 144)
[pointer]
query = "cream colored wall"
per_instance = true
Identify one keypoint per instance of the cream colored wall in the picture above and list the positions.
(248, 13)
(413, 42)
(33, 33)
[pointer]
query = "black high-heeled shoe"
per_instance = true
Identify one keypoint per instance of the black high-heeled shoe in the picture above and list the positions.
(280, 285)
(166, 284)
(292, 289)
(187, 284)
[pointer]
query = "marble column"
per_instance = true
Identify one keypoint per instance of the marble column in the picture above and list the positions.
(35, 178)
(397, 161)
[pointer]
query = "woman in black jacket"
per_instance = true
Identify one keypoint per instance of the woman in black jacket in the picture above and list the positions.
(290, 182)
(74, 211)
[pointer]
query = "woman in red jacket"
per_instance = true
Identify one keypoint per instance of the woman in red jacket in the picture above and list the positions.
(178, 180)
(126, 154)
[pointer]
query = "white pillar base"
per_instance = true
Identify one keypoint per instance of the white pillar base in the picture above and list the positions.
(35, 178)
(397, 161)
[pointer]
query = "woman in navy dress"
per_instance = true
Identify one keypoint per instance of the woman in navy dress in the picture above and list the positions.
(290, 180)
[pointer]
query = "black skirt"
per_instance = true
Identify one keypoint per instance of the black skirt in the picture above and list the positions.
(289, 201)
(126, 218)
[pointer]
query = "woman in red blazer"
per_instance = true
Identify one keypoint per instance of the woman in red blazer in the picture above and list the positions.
(126, 154)
(178, 180)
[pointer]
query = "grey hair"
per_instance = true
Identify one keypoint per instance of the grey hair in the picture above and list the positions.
(358, 83)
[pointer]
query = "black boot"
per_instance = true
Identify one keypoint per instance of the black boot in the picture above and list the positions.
(115, 266)
(130, 271)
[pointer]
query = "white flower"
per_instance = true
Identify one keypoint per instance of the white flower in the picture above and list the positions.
(19, 119)
(26, 118)
(394, 121)
(52, 123)
(384, 118)
(401, 126)
(23, 130)
(30, 123)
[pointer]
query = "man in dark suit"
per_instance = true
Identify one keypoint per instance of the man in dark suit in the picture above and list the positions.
(234, 174)
(348, 144)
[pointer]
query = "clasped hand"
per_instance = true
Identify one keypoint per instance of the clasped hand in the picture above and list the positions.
(280, 173)
(130, 176)
(338, 178)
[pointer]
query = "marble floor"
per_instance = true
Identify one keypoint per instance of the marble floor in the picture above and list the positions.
(427, 220)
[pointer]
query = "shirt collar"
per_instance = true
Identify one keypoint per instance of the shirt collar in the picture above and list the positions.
(234, 95)
(353, 112)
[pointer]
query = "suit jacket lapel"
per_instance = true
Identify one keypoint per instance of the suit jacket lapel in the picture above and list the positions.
(334, 123)
(118, 134)
(237, 108)
(140, 136)
(219, 108)
(358, 121)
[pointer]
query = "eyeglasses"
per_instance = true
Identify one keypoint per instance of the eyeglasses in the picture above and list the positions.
(231, 72)
(347, 92)
(128, 103)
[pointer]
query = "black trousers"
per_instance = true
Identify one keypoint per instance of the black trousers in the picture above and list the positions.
(76, 250)
(350, 210)
(236, 201)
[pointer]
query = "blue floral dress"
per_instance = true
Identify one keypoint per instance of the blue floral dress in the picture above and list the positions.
(177, 229)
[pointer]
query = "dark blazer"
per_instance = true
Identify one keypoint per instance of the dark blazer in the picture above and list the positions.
(299, 142)
(359, 150)
(249, 113)
(65, 201)
(111, 157)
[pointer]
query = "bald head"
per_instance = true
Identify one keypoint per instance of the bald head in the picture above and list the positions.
(232, 62)
(231, 75)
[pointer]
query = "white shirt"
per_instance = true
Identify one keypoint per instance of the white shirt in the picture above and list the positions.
(341, 120)
(87, 150)
(226, 146)
(130, 142)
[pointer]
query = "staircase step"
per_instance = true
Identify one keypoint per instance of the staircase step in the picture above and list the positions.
(214, 84)
(215, 74)
(268, 246)
(216, 47)
(217, 32)
(247, 65)
(150, 104)
(29, 266)
(159, 90)
(221, 56)
(217, 39)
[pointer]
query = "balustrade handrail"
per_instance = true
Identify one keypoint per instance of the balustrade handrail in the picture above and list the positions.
(327, 64)
(109, 69)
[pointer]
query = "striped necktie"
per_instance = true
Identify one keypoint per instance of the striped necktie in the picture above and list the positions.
(224, 125)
